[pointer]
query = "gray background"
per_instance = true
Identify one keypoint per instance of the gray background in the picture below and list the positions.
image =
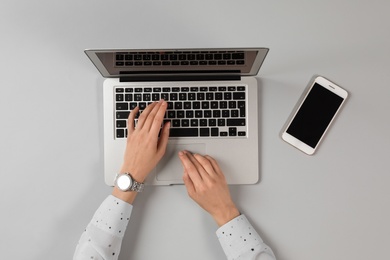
(334, 205)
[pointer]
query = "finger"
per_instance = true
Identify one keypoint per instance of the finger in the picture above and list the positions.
(130, 120)
(150, 119)
(206, 164)
(215, 165)
(190, 168)
(199, 167)
(142, 118)
(189, 184)
(163, 141)
(159, 117)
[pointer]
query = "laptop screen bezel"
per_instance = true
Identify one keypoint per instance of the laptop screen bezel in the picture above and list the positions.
(257, 63)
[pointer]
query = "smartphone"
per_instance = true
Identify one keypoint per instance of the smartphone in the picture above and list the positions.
(314, 115)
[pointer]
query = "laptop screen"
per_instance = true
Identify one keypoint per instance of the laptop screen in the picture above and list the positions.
(129, 62)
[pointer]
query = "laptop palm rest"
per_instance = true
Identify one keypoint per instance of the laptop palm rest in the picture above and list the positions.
(170, 167)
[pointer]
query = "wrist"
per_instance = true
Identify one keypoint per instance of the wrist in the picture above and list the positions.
(127, 196)
(225, 215)
(135, 174)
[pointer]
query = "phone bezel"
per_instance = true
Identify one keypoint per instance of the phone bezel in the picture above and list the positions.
(334, 88)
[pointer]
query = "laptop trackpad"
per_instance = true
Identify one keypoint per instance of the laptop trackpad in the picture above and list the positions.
(170, 167)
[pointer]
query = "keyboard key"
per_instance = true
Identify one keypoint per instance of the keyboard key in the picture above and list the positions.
(203, 122)
(214, 131)
(121, 123)
(180, 114)
(178, 105)
(241, 107)
(128, 97)
(221, 122)
(232, 131)
(238, 56)
(234, 113)
(196, 105)
(207, 113)
(122, 106)
(183, 96)
(187, 105)
(205, 105)
(183, 132)
(198, 114)
(223, 134)
(205, 131)
(171, 114)
(212, 122)
(185, 123)
(200, 96)
(189, 114)
(238, 95)
(235, 122)
(227, 96)
(225, 113)
(218, 96)
(119, 90)
(176, 123)
(146, 97)
(191, 96)
(122, 115)
(241, 133)
(142, 105)
(119, 97)
(209, 96)
(120, 133)
(133, 105)
(194, 122)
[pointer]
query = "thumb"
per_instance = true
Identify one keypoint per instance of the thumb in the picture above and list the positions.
(163, 141)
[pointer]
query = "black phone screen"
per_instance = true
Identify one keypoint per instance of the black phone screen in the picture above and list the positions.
(314, 115)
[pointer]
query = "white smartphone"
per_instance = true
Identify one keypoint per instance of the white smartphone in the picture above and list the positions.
(314, 115)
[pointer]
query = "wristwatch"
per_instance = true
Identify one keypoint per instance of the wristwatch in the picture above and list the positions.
(125, 182)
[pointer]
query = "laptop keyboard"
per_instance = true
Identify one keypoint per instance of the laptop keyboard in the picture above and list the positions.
(202, 58)
(199, 111)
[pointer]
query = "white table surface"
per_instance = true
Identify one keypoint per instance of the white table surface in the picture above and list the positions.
(334, 205)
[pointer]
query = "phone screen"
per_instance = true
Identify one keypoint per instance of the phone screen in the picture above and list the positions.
(314, 115)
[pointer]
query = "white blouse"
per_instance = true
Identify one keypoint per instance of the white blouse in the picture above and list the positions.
(102, 239)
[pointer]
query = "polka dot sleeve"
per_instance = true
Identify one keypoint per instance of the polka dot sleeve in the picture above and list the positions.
(239, 240)
(102, 239)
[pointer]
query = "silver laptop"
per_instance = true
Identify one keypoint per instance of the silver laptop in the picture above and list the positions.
(212, 106)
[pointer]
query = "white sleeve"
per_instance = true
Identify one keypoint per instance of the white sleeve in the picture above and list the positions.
(239, 240)
(102, 239)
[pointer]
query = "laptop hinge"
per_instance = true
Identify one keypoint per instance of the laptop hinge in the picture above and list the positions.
(145, 78)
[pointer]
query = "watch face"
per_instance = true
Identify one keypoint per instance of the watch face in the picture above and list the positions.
(124, 182)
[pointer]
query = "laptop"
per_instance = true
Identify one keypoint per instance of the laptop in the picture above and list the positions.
(212, 100)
